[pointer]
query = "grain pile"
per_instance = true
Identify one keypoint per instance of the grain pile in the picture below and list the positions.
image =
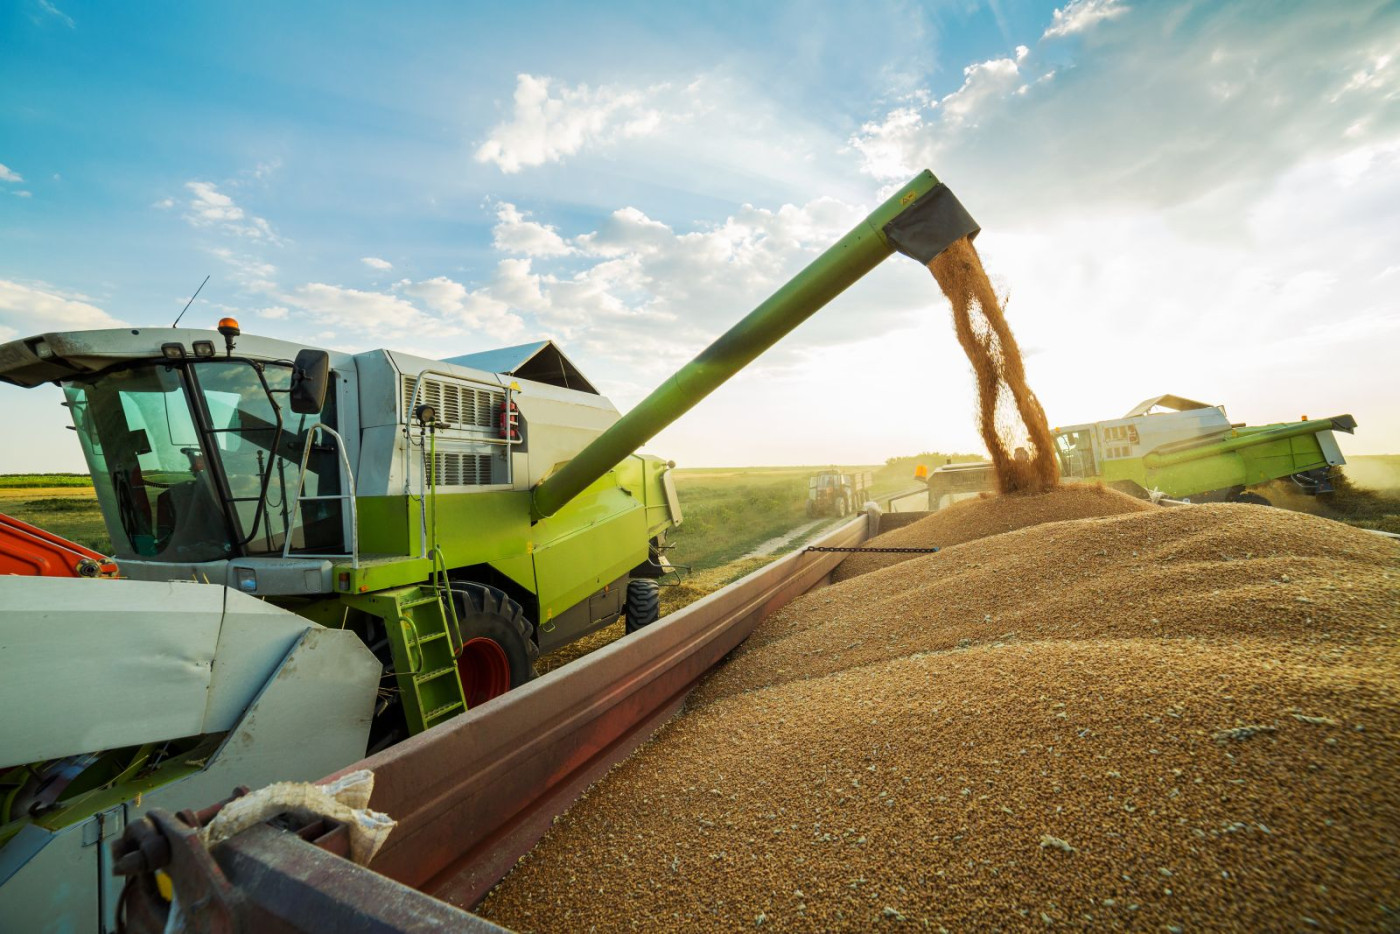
(1009, 416)
(1175, 719)
(973, 519)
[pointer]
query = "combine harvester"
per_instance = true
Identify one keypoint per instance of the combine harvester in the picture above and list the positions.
(1189, 451)
(326, 554)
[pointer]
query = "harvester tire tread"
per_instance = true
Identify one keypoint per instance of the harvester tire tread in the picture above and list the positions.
(483, 610)
(643, 604)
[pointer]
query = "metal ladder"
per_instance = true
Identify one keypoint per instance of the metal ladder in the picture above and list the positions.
(347, 485)
(432, 660)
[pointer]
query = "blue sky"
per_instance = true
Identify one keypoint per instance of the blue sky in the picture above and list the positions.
(1195, 198)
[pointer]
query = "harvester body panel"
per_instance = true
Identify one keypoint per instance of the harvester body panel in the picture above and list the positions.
(498, 482)
(136, 677)
(1181, 453)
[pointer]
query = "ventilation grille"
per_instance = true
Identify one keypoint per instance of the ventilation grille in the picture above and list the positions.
(459, 406)
(463, 469)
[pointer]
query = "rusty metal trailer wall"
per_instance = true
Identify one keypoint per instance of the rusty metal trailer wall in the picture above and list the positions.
(475, 794)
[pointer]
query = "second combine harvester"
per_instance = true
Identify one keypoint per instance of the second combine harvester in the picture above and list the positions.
(325, 552)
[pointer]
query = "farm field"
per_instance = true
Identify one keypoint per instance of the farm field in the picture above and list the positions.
(60, 503)
(732, 512)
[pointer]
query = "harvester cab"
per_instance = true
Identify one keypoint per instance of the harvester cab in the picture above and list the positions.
(326, 551)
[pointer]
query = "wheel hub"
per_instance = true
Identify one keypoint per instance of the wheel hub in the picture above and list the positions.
(484, 670)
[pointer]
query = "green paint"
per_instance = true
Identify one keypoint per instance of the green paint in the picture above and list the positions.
(1248, 456)
(384, 525)
(79, 807)
(424, 651)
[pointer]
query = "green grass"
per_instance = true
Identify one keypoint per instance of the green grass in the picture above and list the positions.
(729, 511)
(76, 518)
(22, 481)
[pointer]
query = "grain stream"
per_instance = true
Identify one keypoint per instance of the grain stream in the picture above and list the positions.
(1009, 416)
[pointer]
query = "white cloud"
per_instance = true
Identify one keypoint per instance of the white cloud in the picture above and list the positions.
(646, 297)
(514, 234)
(626, 230)
(23, 194)
(476, 310)
(983, 82)
(435, 308)
(374, 262)
(209, 207)
(550, 122)
(8, 174)
(31, 309)
(250, 272)
(164, 204)
(373, 312)
(57, 14)
(632, 291)
(275, 312)
(1079, 15)
(263, 170)
(1163, 108)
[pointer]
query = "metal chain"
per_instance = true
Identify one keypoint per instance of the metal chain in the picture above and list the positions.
(893, 551)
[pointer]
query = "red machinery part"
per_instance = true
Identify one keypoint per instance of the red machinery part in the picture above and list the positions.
(29, 550)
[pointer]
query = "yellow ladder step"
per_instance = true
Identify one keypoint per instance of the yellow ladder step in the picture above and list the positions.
(427, 676)
(444, 711)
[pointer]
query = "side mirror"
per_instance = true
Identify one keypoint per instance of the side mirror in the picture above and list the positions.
(311, 373)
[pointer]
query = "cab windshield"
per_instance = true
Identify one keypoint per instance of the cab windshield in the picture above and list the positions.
(1076, 449)
(196, 462)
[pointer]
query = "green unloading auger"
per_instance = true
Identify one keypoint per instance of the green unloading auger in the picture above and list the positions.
(920, 220)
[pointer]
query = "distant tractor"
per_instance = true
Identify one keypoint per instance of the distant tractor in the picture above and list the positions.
(833, 493)
(1188, 450)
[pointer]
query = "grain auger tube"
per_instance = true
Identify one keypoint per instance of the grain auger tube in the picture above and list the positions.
(920, 220)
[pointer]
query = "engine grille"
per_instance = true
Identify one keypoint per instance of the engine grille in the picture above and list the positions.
(463, 469)
(461, 407)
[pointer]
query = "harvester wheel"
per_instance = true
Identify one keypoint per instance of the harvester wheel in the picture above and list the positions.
(1252, 498)
(498, 650)
(643, 603)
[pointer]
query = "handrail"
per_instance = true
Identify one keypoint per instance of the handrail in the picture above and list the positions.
(348, 493)
(408, 443)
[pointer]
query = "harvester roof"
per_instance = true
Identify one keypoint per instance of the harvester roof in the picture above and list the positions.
(1175, 403)
(539, 361)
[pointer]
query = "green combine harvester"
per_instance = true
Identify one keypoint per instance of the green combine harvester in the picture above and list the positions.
(326, 553)
(1180, 449)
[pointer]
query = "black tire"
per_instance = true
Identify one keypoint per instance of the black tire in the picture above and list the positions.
(643, 604)
(484, 612)
(1253, 499)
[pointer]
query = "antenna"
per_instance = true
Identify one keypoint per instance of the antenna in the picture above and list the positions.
(190, 302)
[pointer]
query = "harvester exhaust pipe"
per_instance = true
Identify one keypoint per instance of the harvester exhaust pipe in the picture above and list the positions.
(920, 220)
